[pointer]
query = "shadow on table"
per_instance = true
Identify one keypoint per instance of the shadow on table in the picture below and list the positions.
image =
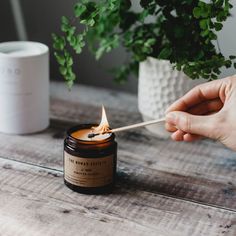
(192, 188)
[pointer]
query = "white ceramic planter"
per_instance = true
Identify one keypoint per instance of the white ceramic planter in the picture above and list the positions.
(159, 86)
(24, 87)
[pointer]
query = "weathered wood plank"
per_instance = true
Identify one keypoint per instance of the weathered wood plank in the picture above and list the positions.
(34, 201)
(203, 172)
(95, 96)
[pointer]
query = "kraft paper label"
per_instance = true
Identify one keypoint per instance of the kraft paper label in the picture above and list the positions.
(88, 172)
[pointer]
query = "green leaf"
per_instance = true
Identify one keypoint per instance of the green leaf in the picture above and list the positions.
(79, 9)
(204, 24)
(212, 36)
(219, 3)
(58, 46)
(232, 57)
(71, 30)
(197, 12)
(84, 22)
(200, 55)
(223, 14)
(187, 27)
(78, 49)
(235, 65)
(62, 70)
(72, 40)
(112, 4)
(69, 62)
(70, 84)
(106, 45)
(64, 28)
(205, 33)
(82, 44)
(214, 77)
(91, 22)
(165, 53)
(60, 59)
(125, 5)
(228, 64)
(143, 15)
(70, 75)
(128, 19)
(218, 26)
(64, 20)
(150, 42)
(179, 31)
(54, 37)
(99, 53)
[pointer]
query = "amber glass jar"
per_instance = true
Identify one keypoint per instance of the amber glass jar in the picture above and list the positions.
(89, 165)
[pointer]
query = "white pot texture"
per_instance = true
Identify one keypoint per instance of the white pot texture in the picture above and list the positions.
(159, 86)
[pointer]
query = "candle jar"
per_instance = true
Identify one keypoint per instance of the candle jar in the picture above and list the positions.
(89, 164)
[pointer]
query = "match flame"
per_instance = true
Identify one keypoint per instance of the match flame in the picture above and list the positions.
(104, 125)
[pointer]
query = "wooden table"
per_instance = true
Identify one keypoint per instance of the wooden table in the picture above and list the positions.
(164, 188)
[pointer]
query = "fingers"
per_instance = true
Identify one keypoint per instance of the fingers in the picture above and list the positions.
(191, 137)
(169, 127)
(200, 93)
(178, 135)
(182, 136)
(206, 107)
(204, 99)
(192, 124)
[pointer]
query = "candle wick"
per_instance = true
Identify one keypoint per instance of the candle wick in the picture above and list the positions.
(92, 135)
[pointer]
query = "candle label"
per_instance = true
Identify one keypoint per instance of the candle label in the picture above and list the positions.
(88, 172)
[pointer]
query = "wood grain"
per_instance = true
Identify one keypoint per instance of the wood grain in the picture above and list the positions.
(202, 172)
(38, 203)
(163, 187)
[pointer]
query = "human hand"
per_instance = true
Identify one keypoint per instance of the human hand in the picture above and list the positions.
(208, 110)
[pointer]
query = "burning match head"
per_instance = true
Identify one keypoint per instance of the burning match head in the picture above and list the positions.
(91, 135)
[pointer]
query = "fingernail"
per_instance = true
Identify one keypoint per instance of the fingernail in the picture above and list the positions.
(171, 118)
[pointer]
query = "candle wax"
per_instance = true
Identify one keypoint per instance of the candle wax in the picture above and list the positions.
(82, 134)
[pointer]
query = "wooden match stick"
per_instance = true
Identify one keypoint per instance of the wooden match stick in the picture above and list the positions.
(142, 124)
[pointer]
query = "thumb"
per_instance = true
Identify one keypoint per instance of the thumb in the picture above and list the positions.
(200, 125)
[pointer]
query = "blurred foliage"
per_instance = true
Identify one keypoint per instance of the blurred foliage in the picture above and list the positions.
(181, 31)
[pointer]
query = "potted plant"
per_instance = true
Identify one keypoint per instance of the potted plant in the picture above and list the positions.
(168, 42)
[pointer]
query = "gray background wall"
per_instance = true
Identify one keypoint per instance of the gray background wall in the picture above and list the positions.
(43, 17)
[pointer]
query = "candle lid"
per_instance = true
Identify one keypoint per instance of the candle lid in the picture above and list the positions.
(22, 49)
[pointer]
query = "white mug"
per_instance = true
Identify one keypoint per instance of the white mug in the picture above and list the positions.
(24, 87)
